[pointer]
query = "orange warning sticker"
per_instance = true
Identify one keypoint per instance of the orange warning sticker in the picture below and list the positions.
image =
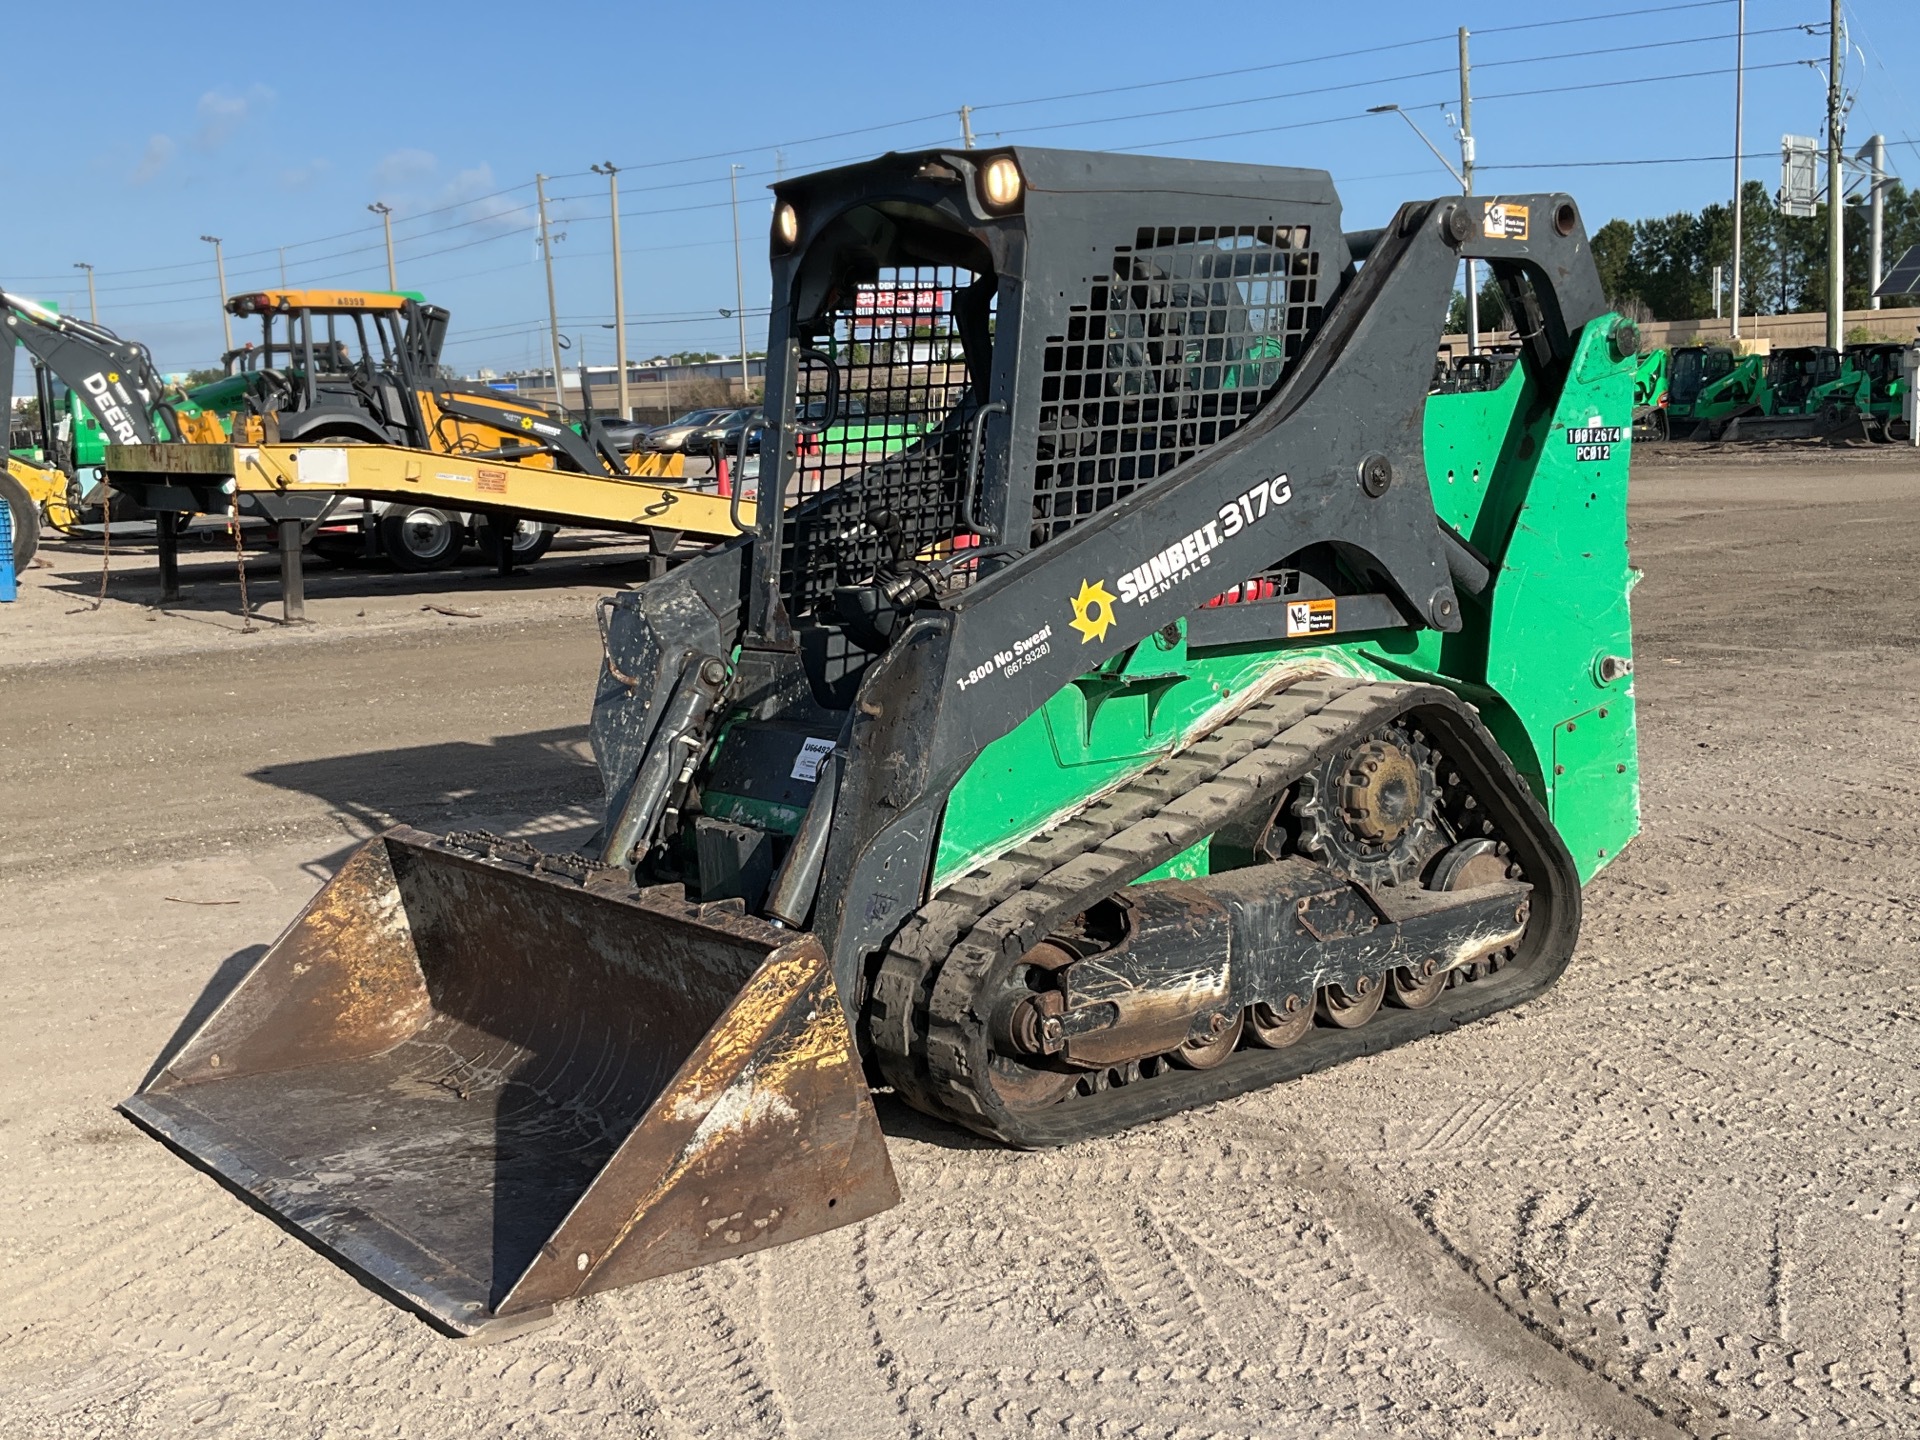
(1309, 617)
(1506, 221)
(490, 482)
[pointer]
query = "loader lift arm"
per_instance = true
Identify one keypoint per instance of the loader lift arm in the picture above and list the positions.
(114, 377)
(1360, 486)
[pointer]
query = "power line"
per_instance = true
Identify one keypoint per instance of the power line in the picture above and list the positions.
(1640, 80)
(1371, 83)
(415, 217)
(1610, 15)
(1649, 160)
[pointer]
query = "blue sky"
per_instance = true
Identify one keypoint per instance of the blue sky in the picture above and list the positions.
(138, 130)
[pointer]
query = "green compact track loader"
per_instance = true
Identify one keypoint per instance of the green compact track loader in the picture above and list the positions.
(1197, 702)
(1650, 398)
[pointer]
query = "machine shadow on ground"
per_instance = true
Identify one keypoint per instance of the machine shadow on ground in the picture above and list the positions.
(209, 582)
(544, 778)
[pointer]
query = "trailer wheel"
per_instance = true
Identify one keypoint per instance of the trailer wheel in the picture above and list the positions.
(418, 538)
(26, 521)
(531, 539)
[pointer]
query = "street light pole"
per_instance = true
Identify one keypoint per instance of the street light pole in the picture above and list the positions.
(739, 280)
(1875, 154)
(1836, 190)
(220, 269)
(1466, 185)
(612, 172)
(1739, 132)
(553, 305)
(93, 304)
(385, 212)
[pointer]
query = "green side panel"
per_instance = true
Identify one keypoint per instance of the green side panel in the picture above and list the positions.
(1103, 728)
(1592, 755)
(89, 441)
(1560, 642)
(1536, 484)
(1543, 492)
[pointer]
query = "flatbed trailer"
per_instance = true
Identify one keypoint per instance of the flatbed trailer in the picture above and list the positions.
(297, 486)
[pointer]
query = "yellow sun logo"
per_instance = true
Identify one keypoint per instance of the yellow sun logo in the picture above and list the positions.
(112, 379)
(526, 422)
(1092, 611)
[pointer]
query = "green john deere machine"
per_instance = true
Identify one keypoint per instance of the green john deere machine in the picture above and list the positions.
(1199, 702)
(1650, 396)
(1877, 368)
(1804, 393)
(92, 389)
(1707, 385)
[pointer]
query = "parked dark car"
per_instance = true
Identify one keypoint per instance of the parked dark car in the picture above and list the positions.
(725, 432)
(674, 434)
(623, 435)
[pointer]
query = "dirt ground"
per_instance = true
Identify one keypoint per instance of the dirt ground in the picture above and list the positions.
(1676, 1195)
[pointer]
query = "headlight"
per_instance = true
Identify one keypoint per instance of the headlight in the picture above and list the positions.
(786, 225)
(1000, 183)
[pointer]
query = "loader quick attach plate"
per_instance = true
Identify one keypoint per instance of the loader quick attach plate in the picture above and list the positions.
(487, 1084)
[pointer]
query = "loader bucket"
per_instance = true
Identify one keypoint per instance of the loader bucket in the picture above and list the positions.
(488, 1083)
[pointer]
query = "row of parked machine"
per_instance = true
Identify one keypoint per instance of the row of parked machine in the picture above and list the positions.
(1755, 392)
(1715, 392)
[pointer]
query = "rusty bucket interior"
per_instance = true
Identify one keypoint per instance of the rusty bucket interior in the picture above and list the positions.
(487, 1086)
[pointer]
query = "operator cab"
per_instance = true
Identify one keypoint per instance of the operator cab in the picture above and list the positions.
(1694, 367)
(973, 368)
(1796, 373)
(1880, 361)
(358, 351)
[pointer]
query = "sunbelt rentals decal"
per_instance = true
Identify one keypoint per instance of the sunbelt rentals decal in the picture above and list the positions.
(1094, 611)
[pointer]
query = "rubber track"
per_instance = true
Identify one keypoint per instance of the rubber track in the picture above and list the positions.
(924, 1032)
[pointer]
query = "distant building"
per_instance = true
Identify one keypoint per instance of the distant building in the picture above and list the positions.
(650, 387)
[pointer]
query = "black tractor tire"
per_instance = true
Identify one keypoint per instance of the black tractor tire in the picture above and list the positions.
(531, 540)
(26, 521)
(420, 538)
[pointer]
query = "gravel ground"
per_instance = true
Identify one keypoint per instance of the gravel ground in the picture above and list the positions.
(1676, 1195)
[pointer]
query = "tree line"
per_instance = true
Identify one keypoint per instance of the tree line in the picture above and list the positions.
(1662, 268)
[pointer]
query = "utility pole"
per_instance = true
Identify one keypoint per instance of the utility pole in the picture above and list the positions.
(739, 280)
(220, 269)
(1466, 184)
(385, 212)
(553, 306)
(1739, 131)
(1836, 190)
(1875, 154)
(966, 127)
(612, 172)
(283, 267)
(93, 304)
